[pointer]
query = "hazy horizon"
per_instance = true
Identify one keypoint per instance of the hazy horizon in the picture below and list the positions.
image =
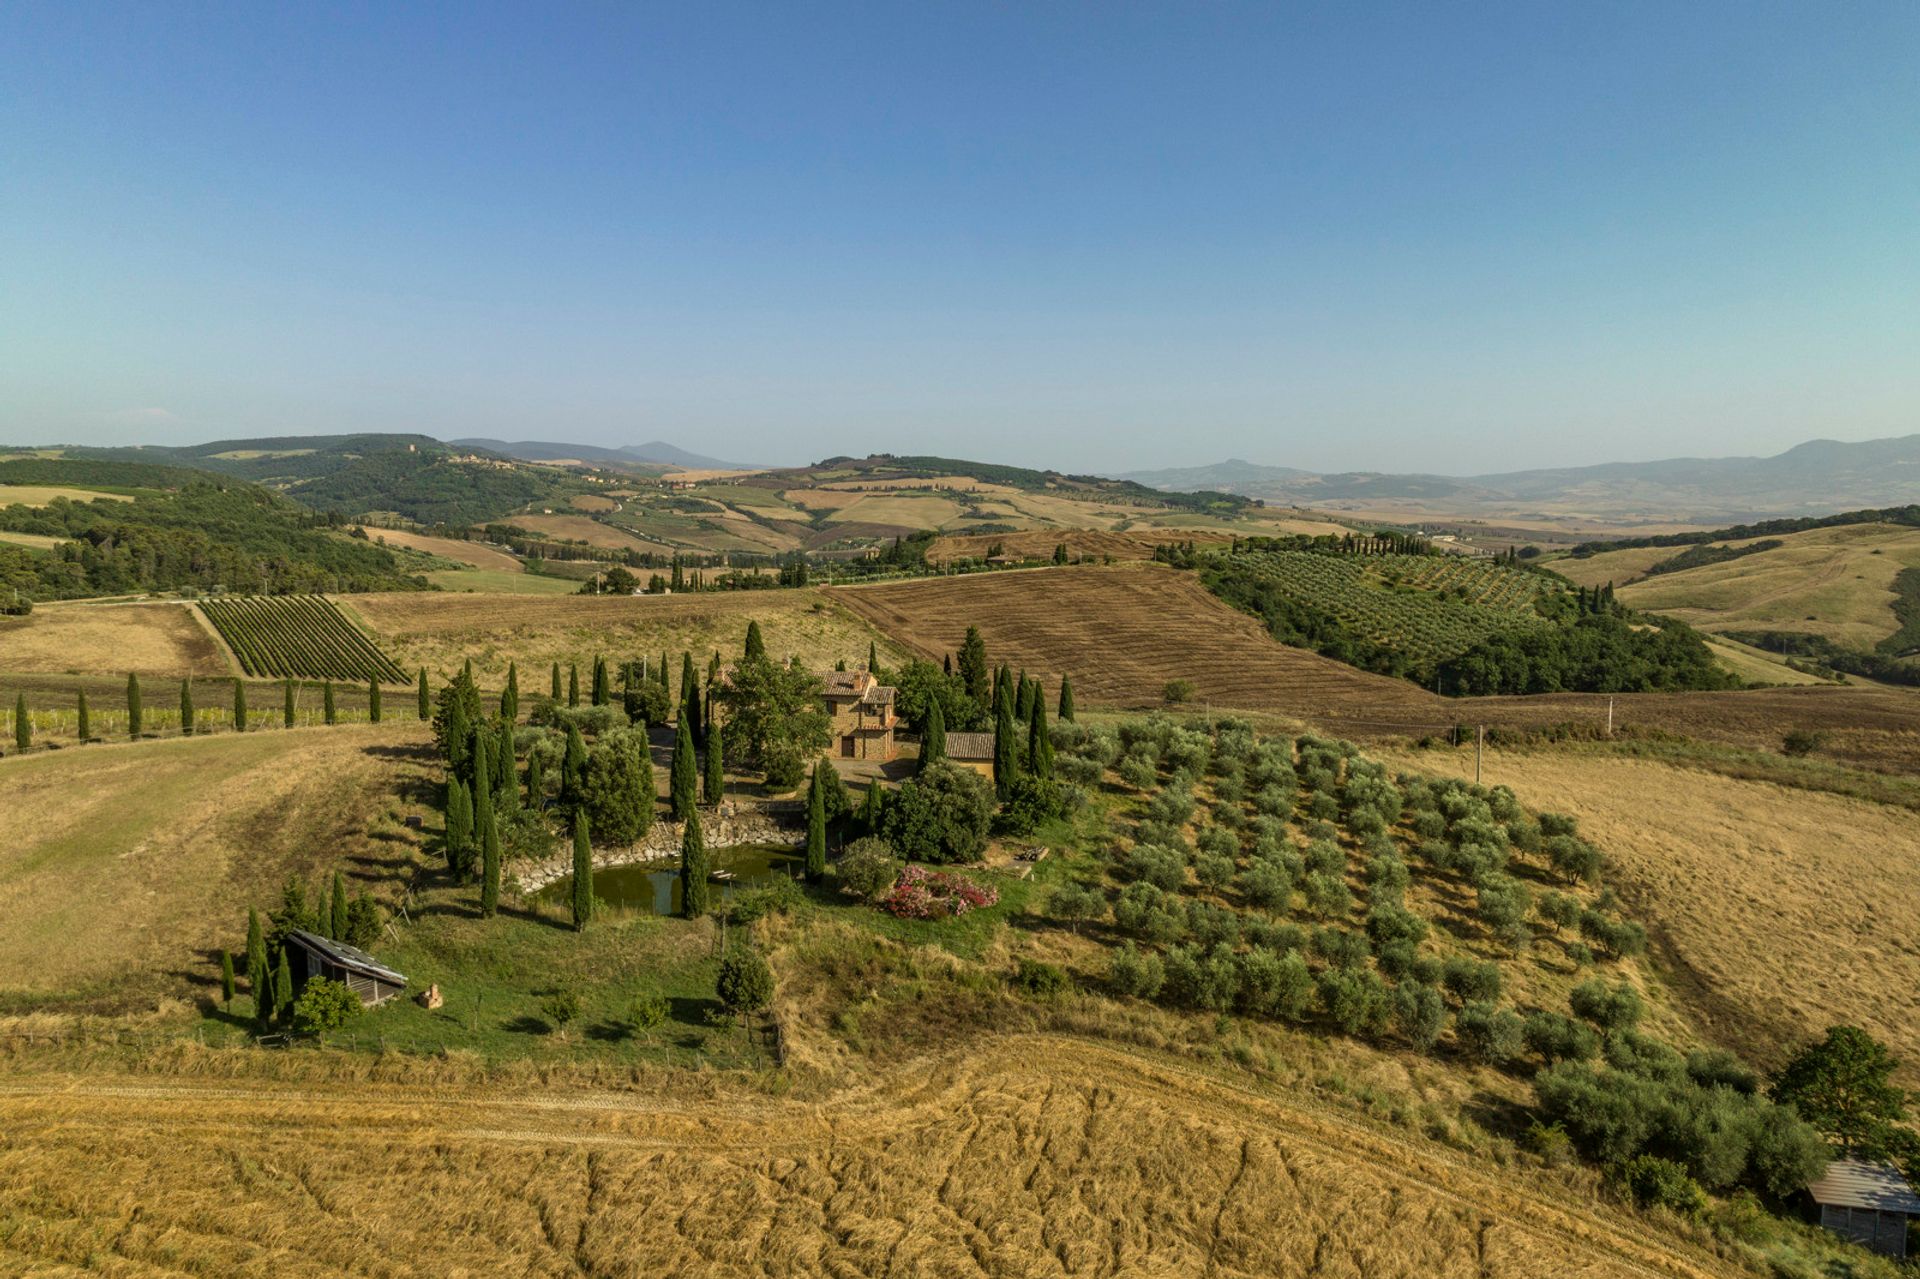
(1380, 237)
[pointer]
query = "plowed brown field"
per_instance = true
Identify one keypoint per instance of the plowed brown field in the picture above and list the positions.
(1034, 1156)
(1123, 631)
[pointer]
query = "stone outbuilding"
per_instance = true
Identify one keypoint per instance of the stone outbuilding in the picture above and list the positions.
(861, 715)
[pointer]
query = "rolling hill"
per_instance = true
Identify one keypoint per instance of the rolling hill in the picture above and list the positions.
(1811, 478)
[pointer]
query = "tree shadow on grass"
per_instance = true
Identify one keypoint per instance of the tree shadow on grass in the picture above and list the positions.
(690, 1011)
(421, 752)
(610, 1031)
(527, 1024)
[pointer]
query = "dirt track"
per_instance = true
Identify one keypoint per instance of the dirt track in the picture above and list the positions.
(1122, 632)
(1034, 1156)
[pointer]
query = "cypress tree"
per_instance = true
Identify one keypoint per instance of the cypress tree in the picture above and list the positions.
(505, 782)
(933, 742)
(482, 789)
(459, 736)
(573, 685)
(1039, 740)
(373, 701)
(873, 657)
(686, 676)
(973, 668)
(133, 706)
(756, 647)
(186, 709)
(286, 709)
(226, 978)
(665, 680)
(239, 707)
(601, 693)
(339, 911)
(873, 812)
(426, 706)
(573, 769)
(459, 827)
(692, 711)
(1006, 752)
(715, 777)
(282, 987)
(510, 695)
(582, 872)
(86, 720)
(693, 869)
(556, 681)
(1066, 700)
(326, 700)
(489, 867)
(22, 726)
(684, 777)
(323, 912)
(713, 672)
(817, 824)
(257, 974)
(536, 784)
(1023, 699)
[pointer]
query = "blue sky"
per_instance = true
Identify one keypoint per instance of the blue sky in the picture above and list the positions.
(1097, 237)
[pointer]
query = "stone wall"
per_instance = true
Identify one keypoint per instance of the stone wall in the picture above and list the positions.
(732, 823)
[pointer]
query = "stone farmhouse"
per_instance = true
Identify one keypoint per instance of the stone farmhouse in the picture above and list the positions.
(860, 715)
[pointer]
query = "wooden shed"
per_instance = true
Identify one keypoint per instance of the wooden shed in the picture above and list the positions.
(310, 955)
(1867, 1202)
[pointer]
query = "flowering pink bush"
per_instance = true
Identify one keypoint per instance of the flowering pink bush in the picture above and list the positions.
(920, 893)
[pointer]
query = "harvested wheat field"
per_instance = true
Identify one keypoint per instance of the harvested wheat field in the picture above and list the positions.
(147, 639)
(46, 494)
(1123, 631)
(1780, 911)
(478, 554)
(127, 865)
(581, 528)
(1037, 1156)
(440, 631)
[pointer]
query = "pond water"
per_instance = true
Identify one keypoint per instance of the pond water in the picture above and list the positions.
(656, 887)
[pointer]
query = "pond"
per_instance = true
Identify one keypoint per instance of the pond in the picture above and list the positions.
(655, 887)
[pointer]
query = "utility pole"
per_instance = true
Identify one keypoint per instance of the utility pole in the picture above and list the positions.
(1479, 743)
(1609, 717)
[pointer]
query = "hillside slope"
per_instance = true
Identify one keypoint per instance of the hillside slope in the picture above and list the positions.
(1037, 1156)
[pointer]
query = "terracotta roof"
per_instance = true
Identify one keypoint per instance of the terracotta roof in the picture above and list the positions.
(1857, 1183)
(880, 693)
(970, 745)
(847, 683)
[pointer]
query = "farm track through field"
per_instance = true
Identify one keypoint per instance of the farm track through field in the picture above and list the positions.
(1026, 1156)
(1122, 632)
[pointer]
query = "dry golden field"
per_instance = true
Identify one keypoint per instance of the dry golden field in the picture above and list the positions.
(478, 554)
(1618, 567)
(580, 528)
(1779, 911)
(1836, 582)
(1034, 1156)
(37, 541)
(77, 638)
(44, 494)
(1039, 544)
(440, 631)
(128, 864)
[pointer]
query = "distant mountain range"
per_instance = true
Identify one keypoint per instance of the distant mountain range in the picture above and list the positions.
(1817, 477)
(656, 454)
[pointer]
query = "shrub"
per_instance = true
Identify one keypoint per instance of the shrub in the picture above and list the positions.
(1213, 872)
(1549, 1142)
(1471, 981)
(1387, 923)
(777, 897)
(867, 869)
(929, 894)
(1489, 1032)
(1267, 885)
(1216, 842)
(325, 1005)
(1322, 806)
(1039, 980)
(1558, 909)
(1643, 1055)
(1077, 903)
(1356, 1001)
(647, 1013)
(1176, 691)
(1557, 1037)
(1207, 980)
(1611, 1008)
(1139, 772)
(1275, 985)
(1573, 859)
(561, 1009)
(1162, 867)
(1327, 895)
(1718, 1068)
(1150, 913)
(1209, 925)
(942, 815)
(744, 983)
(1387, 877)
(1558, 824)
(1419, 1012)
(1802, 742)
(1661, 1183)
(1325, 858)
(1580, 954)
(1132, 972)
(1620, 938)
(1341, 948)
(1429, 825)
